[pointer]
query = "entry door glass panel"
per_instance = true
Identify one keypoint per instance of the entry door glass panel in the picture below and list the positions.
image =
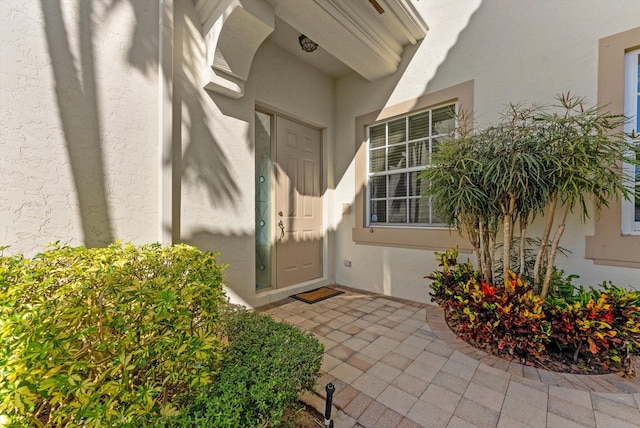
(264, 222)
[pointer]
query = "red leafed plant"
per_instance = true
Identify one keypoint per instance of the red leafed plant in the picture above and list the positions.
(488, 290)
(507, 319)
(602, 325)
(573, 329)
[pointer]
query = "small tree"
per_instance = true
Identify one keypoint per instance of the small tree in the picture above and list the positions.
(533, 159)
(461, 200)
(490, 178)
(589, 149)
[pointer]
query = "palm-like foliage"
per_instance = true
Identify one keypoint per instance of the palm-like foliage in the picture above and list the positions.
(534, 159)
(588, 149)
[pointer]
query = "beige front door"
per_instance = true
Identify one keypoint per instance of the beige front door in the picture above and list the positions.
(298, 208)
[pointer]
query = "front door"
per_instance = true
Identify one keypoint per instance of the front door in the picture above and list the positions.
(298, 208)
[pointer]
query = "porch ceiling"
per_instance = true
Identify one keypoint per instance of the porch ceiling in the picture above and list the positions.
(353, 32)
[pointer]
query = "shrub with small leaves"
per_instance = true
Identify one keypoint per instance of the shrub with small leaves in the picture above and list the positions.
(266, 367)
(117, 336)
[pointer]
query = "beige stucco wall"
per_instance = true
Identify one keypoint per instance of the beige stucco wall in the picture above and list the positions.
(78, 123)
(513, 52)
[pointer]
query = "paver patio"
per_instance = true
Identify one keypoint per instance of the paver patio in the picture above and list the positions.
(395, 363)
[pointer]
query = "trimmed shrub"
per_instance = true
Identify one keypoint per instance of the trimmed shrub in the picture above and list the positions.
(117, 336)
(266, 367)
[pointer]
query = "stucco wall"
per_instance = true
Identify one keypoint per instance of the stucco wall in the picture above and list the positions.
(217, 133)
(514, 52)
(78, 123)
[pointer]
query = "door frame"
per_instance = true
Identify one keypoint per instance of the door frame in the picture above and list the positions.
(273, 114)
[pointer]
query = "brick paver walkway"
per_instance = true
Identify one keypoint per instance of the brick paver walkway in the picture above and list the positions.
(395, 363)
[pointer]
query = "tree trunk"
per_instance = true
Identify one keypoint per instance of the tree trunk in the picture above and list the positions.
(481, 254)
(552, 254)
(474, 238)
(552, 257)
(544, 240)
(488, 261)
(508, 236)
(493, 256)
(506, 246)
(523, 232)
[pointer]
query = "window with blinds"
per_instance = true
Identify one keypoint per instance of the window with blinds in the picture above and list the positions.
(399, 149)
(631, 208)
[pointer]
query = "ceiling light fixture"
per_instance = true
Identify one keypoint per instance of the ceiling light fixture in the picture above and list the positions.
(307, 44)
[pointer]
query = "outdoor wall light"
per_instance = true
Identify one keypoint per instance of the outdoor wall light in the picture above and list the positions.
(307, 44)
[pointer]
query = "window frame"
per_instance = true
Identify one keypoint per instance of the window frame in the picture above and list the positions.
(430, 137)
(405, 235)
(608, 245)
(630, 222)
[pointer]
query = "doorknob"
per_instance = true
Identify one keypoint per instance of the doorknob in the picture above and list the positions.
(281, 226)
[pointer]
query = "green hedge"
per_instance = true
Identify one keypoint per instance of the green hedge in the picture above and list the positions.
(115, 336)
(141, 336)
(267, 365)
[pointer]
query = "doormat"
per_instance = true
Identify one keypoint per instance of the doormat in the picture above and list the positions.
(317, 295)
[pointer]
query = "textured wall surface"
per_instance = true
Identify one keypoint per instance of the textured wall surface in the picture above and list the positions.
(514, 52)
(78, 123)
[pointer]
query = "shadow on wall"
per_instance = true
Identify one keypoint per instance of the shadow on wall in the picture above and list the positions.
(78, 94)
(368, 100)
(240, 264)
(376, 267)
(366, 97)
(203, 159)
(79, 115)
(143, 50)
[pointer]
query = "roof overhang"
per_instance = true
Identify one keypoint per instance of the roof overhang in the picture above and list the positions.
(355, 32)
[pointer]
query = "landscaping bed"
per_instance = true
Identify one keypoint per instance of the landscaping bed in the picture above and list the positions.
(308, 417)
(555, 361)
(529, 172)
(573, 330)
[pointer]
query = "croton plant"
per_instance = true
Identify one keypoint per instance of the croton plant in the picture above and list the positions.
(595, 327)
